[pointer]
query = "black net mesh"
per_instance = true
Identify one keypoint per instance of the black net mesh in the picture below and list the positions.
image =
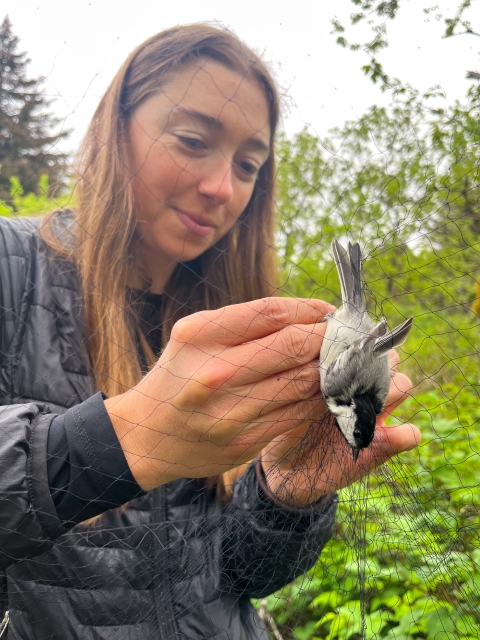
(209, 510)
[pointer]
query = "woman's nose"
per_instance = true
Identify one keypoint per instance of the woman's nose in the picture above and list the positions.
(217, 181)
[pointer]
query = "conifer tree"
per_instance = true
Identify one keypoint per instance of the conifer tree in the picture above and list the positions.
(27, 139)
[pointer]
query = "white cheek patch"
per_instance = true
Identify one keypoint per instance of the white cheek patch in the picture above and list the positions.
(346, 419)
(341, 410)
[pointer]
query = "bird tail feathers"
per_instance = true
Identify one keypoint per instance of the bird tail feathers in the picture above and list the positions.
(349, 267)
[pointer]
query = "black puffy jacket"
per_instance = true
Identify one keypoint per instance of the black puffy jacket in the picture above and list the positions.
(175, 563)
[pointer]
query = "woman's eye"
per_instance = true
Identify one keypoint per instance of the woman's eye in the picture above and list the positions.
(248, 168)
(192, 143)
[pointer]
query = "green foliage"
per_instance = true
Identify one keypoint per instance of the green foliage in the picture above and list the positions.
(405, 182)
(405, 559)
(33, 204)
(421, 558)
(376, 16)
(453, 25)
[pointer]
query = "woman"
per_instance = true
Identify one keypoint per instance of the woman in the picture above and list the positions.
(160, 510)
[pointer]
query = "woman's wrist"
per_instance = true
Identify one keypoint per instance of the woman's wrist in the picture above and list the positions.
(140, 442)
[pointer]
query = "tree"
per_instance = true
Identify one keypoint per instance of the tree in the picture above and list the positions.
(409, 170)
(376, 14)
(404, 181)
(27, 140)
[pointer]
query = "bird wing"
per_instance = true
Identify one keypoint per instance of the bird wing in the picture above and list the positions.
(393, 338)
(380, 329)
(341, 373)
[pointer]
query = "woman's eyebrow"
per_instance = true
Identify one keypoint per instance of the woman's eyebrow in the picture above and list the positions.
(258, 144)
(210, 121)
(215, 123)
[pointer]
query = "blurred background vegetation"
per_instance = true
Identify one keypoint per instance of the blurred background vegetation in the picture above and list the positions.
(405, 182)
(405, 560)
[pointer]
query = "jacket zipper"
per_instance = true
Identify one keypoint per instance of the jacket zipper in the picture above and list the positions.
(4, 623)
(163, 592)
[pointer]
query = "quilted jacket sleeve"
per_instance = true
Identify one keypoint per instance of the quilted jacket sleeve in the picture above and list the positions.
(14, 267)
(28, 521)
(267, 545)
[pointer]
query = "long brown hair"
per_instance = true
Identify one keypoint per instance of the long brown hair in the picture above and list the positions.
(238, 268)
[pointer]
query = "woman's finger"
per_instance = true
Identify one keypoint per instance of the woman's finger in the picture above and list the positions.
(330, 465)
(249, 402)
(388, 442)
(284, 387)
(249, 321)
(400, 387)
(393, 361)
(292, 347)
(287, 418)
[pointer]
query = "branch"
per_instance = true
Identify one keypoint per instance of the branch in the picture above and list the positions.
(377, 14)
(267, 617)
(469, 32)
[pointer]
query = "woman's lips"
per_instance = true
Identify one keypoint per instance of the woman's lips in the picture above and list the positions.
(192, 225)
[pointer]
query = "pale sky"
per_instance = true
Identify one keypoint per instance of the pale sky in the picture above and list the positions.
(78, 46)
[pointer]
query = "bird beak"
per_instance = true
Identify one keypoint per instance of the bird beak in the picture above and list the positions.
(355, 451)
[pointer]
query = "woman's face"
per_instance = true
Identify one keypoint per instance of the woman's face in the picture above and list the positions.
(196, 148)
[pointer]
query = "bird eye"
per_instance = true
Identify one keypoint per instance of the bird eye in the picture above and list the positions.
(357, 433)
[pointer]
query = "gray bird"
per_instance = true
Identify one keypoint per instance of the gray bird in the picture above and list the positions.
(354, 368)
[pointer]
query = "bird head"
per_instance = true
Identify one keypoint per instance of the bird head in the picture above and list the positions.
(356, 419)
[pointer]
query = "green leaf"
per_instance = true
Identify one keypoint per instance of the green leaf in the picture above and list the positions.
(376, 623)
(305, 632)
(331, 599)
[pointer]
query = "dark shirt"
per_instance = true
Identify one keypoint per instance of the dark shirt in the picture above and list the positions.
(87, 469)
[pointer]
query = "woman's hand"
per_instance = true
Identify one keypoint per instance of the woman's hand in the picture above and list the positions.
(312, 461)
(229, 382)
